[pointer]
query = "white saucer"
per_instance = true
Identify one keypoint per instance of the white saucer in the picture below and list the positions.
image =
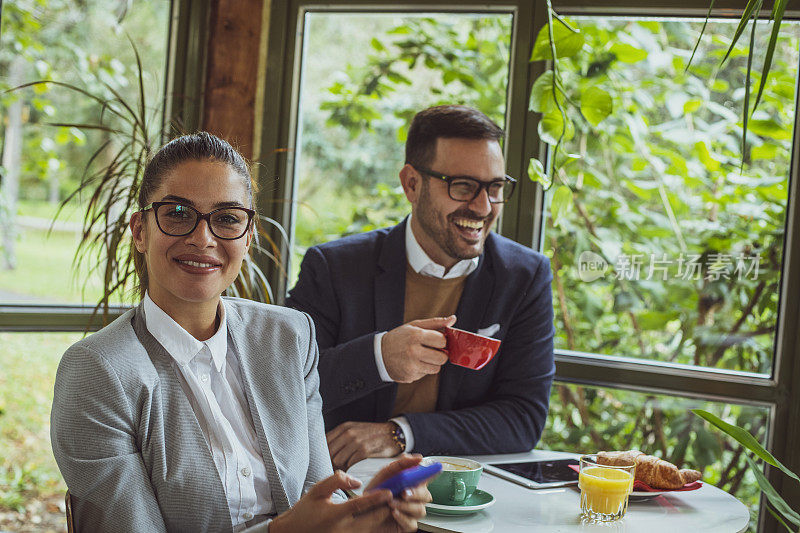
(643, 495)
(486, 499)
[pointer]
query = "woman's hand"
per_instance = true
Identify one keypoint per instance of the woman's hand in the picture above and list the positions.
(410, 507)
(316, 512)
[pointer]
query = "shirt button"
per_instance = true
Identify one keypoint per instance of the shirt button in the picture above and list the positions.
(248, 516)
(246, 471)
(204, 378)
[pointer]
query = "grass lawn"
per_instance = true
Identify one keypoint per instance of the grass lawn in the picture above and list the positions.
(28, 363)
(39, 209)
(45, 271)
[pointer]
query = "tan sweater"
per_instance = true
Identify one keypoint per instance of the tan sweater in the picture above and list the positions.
(426, 297)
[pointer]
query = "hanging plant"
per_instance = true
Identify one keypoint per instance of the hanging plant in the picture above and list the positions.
(560, 39)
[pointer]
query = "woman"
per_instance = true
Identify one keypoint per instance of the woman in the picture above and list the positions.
(194, 412)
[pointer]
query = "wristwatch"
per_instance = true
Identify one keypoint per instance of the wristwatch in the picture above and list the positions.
(398, 436)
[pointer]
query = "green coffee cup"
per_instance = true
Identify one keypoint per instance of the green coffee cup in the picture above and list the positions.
(457, 480)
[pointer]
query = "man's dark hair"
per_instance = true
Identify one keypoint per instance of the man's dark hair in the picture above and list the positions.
(448, 122)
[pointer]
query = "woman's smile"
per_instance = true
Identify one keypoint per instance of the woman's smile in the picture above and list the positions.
(198, 264)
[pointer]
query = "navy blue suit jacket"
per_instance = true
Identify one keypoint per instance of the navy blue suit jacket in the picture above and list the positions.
(355, 287)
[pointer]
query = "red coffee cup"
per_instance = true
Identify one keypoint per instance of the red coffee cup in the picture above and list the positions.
(469, 349)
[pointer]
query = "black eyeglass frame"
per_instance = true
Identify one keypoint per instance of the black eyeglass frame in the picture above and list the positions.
(481, 184)
(200, 216)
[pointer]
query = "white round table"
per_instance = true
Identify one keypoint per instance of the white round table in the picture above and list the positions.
(518, 509)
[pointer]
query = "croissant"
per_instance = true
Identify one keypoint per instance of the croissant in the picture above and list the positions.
(657, 473)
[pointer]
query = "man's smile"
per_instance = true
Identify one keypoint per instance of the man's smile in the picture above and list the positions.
(470, 229)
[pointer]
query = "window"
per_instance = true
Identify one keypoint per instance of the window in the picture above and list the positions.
(82, 44)
(358, 91)
(665, 249)
(670, 260)
(647, 180)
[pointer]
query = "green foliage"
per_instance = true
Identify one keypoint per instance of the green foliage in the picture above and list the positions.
(775, 499)
(553, 128)
(658, 178)
(51, 37)
(561, 201)
(596, 105)
(537, 173)
(542, 98)
(567, 42)
(387, 206)
(748, 441)
(27, 467)
(461, 61)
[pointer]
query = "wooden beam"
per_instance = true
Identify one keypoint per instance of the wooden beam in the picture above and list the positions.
(232, 71)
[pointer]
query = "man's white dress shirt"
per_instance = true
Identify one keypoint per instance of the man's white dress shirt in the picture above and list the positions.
(210, 376)
(424, 265)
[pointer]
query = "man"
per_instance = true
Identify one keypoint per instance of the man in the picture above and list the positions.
(381, 300)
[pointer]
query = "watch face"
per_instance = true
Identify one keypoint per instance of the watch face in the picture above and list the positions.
(398, 436)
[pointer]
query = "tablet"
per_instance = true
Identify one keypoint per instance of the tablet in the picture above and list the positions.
(537, 474)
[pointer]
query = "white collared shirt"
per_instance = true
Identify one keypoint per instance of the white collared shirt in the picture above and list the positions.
(210, 376)
(424, 265)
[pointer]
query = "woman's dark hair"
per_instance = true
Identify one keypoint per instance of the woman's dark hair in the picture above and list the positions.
(449, 122)
(202, 146)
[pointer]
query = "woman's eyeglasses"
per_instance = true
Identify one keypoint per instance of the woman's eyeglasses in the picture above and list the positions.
(176, 220)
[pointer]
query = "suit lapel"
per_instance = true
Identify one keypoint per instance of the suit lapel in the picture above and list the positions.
(475, 300)
(390, 280)
(181, 429)
(256, 370)
(390, 293)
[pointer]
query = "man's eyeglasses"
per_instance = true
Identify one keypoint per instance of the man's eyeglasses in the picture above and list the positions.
(466, 189)
(177, 220)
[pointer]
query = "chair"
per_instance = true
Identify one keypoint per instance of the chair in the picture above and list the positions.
(68, 511)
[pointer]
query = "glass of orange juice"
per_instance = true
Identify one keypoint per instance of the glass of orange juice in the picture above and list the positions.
(604, 490)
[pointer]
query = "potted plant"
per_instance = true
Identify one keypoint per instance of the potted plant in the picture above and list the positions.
(131, 132)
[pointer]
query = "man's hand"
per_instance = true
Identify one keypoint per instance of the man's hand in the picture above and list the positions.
(413, 350)
(351, 442)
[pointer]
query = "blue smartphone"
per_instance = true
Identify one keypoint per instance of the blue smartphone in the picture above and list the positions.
(411, 477)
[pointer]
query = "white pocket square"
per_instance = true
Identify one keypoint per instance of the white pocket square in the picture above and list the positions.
(491, 330)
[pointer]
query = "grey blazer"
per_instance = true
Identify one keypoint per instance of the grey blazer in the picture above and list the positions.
(129, 445)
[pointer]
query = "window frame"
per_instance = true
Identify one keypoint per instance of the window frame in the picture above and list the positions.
(275, 136)
(187, 36)
(523, 216)
(781, 389)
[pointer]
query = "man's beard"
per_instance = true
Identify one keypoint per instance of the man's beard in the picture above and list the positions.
(444, 235)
